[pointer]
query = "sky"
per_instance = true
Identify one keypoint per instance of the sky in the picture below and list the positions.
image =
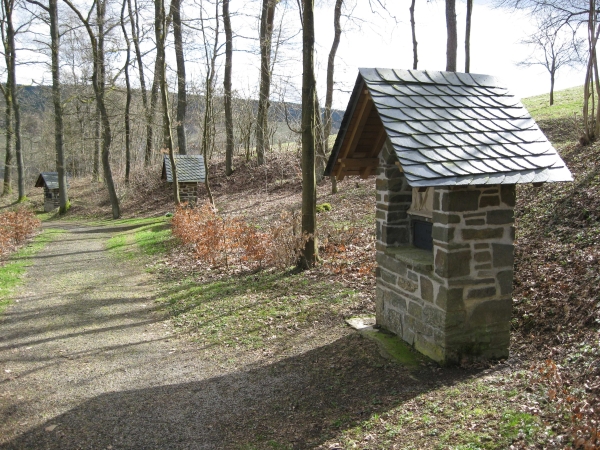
(382, 41)
(377, 39)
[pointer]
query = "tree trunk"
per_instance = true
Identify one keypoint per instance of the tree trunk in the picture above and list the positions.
(161, 36)
(59, 147)
(337, 14)
(135, 37)
(128, 95)
(97, 145)
(227, 89)
(468, 36)
(181, 80)
(8, 160)
(267, 18)
(309, 254)
(414, 34)
(11, 89)
(452, 40)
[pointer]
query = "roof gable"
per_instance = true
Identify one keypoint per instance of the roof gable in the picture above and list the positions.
(47, 179)
(446, 128)
(190, 169)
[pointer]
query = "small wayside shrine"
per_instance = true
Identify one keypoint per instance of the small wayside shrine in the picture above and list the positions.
(49, 181)
(448, 149)
(190, 172)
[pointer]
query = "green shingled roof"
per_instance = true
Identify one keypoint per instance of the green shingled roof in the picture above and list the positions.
(190, 169)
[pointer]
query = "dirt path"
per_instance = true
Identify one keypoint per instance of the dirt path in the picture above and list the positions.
(86, 362)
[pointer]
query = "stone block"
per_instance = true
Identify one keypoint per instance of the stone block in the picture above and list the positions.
(508, 194)
(391, 264)
(474, 222)
(455, 319)
(481, 245)
(404, 198)
(500, 216)
(394, 322)
(482, 257)
(503, 255)
(433, 316)
(483, 267)
(505, 280)
(477, 214)
(445, 234)
(460, 201)
(388, 277)
(407, 285)
(445, 218)
(482, 233)
(397, 217)
(450, 299)
(482, 292)
(415, 310)
(453, 264)
(426, 289)
(395, 300)
(412, 276)
(381, 214)
(393, 235)
(490, 313)
(489, 200)
(379, 298)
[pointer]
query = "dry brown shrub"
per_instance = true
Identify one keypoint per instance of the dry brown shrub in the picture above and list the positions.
(15, 227)
(232, 242)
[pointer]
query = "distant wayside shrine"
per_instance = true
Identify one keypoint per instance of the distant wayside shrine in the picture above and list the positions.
(447, 149)
(49, 181)
(190, 172)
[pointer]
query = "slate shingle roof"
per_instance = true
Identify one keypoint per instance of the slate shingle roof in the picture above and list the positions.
(47, 179)
(453, 129)
(190, 169)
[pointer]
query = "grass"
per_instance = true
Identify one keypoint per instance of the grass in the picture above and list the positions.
(250, 309)
(149, 236)
(567, 103)
(12, 272)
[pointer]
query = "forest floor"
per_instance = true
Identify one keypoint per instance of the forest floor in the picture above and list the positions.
(265, 360)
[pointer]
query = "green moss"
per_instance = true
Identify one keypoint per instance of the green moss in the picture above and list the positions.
(394, 347)
(323, 207)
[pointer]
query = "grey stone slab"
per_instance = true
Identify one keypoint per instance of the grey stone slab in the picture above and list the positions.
(401, 127)
(467, 138)
(494, 165)
(454, 80)
(404, 142)
(451, 101)
(420, 115)
(442, 168)
(387, 101)
(455, 168)
(531, 135)
(425, 140)
(369, 75)
(542, 161)
(405, 76)
(408, 102)
(427, 126)
(382, 89)
(403, 89)
(388, 75)
(414, 156)
(450, 125)
(442, 139)
(541, 176)
(482, 166)
(421, 77)
(420, 171)
(484, 80)
(391, 114)
(522, 124)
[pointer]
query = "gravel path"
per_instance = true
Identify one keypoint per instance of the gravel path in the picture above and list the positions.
(87, 362)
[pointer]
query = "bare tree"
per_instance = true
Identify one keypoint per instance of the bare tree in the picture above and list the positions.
(9, 32)
(126, 117)
(468, 36)
(161, 29)
(452, 36)
(181, 79)
(556, 46)
(98, 83)
(414, 34)
(267, 18)
(309, 255)
(227, 89)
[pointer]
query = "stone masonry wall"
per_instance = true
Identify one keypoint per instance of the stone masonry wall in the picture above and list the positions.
(188, 192)
(53, 202)
(452, 303)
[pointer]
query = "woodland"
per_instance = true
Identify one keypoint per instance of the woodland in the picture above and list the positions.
(116, 108)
